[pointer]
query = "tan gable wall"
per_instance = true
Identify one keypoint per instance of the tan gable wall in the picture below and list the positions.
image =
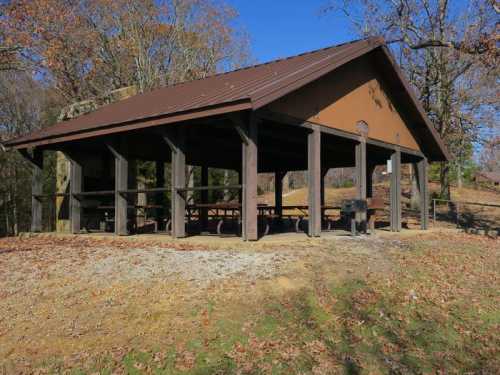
(341, 99)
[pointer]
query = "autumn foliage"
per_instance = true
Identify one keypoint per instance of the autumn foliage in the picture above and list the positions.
(86, 48)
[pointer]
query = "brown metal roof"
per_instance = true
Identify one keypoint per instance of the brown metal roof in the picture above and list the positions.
(243, 89)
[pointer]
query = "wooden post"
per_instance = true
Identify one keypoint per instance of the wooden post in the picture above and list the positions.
(249, 179)
(121, 183)
(204, 198)
(36, 190)
(278, 192)
(361, 185)
(314, 180)
(423, 193)
(160, 196)
(75, 187)
(177, 142)
(395, 191)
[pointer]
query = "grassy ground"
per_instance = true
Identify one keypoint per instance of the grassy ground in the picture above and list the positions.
(393, 303)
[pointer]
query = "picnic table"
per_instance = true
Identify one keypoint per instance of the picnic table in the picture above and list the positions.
(267, 214)
(225, 213)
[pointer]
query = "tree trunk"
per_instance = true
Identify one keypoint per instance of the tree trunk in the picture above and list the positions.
(62, 186)
(444, 179)
(415, 192)
(7, 221)
(190, 193)
(227, 195)
(459, 175)
(142, 201)
(286, 183)
(15, 217)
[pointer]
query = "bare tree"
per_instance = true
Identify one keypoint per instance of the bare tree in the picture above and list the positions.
(23, 104)
(489, 160)
(448, 51)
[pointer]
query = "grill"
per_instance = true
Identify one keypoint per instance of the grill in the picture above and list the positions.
(351, 206)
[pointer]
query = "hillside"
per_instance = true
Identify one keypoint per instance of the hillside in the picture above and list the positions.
(470, 215)
(335, 195)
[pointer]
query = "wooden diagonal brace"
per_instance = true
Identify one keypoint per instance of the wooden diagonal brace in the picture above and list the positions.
(240, 126)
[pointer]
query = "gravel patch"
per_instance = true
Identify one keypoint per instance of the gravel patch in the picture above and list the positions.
(198, 266)
(102, 266)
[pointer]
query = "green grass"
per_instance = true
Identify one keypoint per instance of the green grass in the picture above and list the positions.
(371, 330)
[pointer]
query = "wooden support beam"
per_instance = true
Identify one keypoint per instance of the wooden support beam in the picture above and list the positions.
(395, 191)
(314, 181)
(249, 179)
(36, 190)
(121, 184)
(176, 140)
(361, 186)
(423, 188)
(204, 198)
(75, 186)
(278, 192)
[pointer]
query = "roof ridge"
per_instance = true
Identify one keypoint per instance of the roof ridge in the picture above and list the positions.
(304, 67)
(268, 62)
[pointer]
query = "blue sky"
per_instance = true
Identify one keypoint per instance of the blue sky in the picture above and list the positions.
(281, 28)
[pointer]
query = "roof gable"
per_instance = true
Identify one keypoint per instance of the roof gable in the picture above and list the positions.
(351, 95)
